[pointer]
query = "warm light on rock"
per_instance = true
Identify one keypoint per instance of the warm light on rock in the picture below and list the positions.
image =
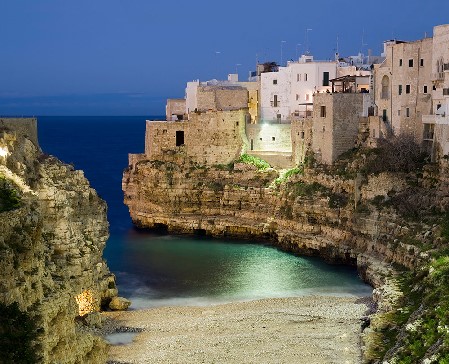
(4, 152)
(87, 302)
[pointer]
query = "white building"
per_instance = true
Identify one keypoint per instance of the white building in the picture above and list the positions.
(289, 92)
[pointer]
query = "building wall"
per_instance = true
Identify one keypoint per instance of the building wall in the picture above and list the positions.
(221, 98)
(292, 87)
(301, 139)
(22, 126)
(275, 84)
(213, 137)
(269, 137)
(404, 109)
(175, 107)
(336, 131)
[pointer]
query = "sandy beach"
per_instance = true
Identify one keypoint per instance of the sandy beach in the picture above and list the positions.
(310, 329)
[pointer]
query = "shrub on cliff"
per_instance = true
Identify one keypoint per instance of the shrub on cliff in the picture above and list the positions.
(18, 333)
(9, 197)
(397, 154)
(260, 164)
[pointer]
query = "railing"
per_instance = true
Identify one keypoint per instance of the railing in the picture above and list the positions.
(437, 76)
(275, 103)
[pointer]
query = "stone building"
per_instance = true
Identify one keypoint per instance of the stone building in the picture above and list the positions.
(436, 122)
(335, 125)
(402, 86)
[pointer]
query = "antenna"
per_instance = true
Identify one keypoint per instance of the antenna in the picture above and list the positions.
(307, 40)
(363, 43)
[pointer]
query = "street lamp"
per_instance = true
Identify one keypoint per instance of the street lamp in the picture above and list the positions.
(297, 47)
(282, 43)
(307, 40)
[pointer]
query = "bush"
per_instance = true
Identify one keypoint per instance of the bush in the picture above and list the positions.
(260, 164)
(18, 332)
(396, 154)
(9, 196)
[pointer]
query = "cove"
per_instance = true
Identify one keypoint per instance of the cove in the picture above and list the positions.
(165, 270)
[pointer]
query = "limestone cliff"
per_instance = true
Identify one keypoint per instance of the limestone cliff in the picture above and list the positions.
(52, 237)
(344, 217)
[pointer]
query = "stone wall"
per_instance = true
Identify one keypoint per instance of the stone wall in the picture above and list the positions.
(336, 123)
(175, 109)
(26, 127)
(269, 137)
(221, 98)
(301, 139)
(213, 137)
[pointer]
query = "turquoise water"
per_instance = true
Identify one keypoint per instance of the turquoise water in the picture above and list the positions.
(172, 270)
(156, 270)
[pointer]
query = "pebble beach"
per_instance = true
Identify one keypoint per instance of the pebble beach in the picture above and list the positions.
(309, 329)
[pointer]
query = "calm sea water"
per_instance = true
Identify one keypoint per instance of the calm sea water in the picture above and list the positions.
(157, 270)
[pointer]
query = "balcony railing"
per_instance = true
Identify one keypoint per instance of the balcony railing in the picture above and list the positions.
(438, 76)
(275, 103)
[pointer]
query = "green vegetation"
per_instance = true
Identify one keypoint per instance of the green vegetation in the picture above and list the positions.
(18, 333)
(9, 195)
(291, 172)
(225, 167)
(307, 189)
(260, 164)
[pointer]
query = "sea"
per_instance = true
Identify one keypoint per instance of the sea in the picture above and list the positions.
(157, 270)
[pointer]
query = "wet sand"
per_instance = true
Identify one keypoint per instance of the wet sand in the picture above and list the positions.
(310, 329)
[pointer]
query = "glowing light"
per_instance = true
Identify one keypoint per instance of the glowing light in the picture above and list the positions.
(4, 152)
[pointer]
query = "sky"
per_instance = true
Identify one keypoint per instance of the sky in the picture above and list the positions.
(126, 57)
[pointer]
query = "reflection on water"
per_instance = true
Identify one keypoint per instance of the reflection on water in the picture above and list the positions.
(121, 338)
(157, 270)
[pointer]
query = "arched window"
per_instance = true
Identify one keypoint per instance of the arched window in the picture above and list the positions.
(385, 88)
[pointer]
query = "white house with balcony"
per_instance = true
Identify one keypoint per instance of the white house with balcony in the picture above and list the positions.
(289, 92)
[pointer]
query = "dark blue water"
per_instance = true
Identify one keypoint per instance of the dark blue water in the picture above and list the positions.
(155, 270)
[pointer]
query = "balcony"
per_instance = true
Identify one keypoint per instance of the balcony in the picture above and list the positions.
(275, 103)
(435, 119)
(438, 76)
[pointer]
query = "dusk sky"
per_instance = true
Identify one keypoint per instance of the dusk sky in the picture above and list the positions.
(120, 57)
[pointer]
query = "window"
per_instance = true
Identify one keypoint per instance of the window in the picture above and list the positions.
(279, 117)
(179, 137)
(384, 115)
(307, 97)
(422, 62)
(445, 91)
(399, 112)
(407, 89)
(425, 89)
(305, 76)
(275, 100)
(325, 78)
(410, 62)
(302, 135)
(407, 112)
(400, 90)
(275, 82)
(298, 77)
(385, 94)
(297, 97)
(323, 111)
(273, 139)
(400, 62)
(428, 131)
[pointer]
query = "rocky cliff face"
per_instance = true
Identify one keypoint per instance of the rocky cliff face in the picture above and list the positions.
(340, 216)
(51, 243)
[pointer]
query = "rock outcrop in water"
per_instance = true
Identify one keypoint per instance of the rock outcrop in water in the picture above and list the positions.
(53, 230)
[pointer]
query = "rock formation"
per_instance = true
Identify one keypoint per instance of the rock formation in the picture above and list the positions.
(53, 230)
(339, 215)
